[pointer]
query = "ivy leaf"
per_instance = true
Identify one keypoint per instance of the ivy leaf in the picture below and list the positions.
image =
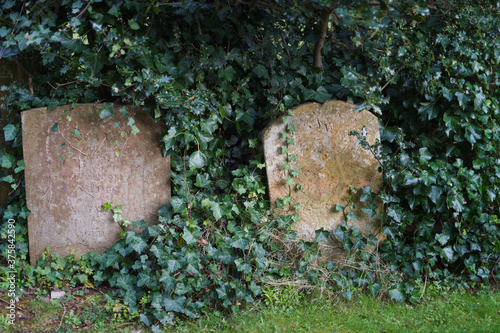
(197, 159)
(479, 101)
(247, 116)
(435, 193)
(94, 61)
(164, 318)
(188, 236)
(178, 204)
(370, 209)
(173, 265)
(240, 242)
(145, 59)
(261, 71)
(425, 155)
(8, 161)
(137, 243)
(388, 133)
(202, 180)
(366, 194)
(55, 127)
(320, 95)
(447, 253)
(115, 11)
(374, 289)
(10, 132)
(133, 24)
(174, 304)
(322, 235)
(473, 133)
(167, 279)
(141, 224)
(216, 210)
(442, 238)
(396, 295)
(106, 111)
(254, 288)
(144, 319)
(193, 265)
(143, 279)
(225, 110)
(110, 259)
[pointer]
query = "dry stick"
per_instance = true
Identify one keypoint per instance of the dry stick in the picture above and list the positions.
(81, 152)
(13, 29)
(15, 188)
(59, 85)
(86, 191)
(128, 136)
(283, 39)
(1, 299)
(425, 284)
(392, 78)
(84, 9)
(65, 30)
(64, 313)
(50, 186)
(325, 17)
(105, 137)
(124, 324)
(30, 79)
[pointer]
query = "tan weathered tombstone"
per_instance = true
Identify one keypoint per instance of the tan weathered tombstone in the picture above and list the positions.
(76, 166)
(329, 161)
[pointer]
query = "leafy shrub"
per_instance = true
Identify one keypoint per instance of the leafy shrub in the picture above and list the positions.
(431, 72)
(216, 73)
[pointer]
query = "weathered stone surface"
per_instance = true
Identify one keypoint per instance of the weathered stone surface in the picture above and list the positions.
(72, 172)
(329, 160)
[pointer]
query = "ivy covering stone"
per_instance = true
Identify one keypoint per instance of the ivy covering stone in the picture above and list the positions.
(216, 73)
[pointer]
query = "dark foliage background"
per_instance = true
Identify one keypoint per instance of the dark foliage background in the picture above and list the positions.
(216, 72)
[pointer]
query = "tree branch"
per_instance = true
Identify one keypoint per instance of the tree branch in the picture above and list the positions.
(30, 79)
(323, 27)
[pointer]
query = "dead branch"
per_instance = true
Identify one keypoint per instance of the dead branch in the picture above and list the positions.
(1, 299)
(59, 85)
(323, 28)
(81, 152)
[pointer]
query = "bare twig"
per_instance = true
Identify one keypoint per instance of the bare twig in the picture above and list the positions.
(392, 78)
(124, 324)
(15, 188)
(50, 186)
(105, 137)
(1, 299)
(123, 147)
(425, 284)
(84, 190)
(65, 29)
(283, 39)
(64, 313)
(84, 9)
(30, 78)
(14, 29)
(81, 152)
(323, 27)
(59, 85)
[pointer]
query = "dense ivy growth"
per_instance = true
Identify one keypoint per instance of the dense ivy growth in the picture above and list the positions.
(216, 72)
(432, 74)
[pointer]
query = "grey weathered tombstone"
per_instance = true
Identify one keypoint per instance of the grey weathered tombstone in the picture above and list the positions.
(76, 162)
(329, 161)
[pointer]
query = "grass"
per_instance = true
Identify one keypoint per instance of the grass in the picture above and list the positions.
(439, 311)
(280, 310)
